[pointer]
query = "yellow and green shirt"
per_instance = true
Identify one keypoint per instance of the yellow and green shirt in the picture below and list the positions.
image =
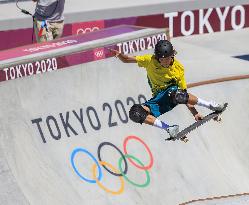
(161, 78)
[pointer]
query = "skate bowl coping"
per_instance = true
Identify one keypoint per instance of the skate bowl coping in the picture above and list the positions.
(106, 38)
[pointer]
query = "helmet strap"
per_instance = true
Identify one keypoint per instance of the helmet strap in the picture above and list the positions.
(172, 60)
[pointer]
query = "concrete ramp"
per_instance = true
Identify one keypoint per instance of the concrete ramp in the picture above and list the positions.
(56, 127)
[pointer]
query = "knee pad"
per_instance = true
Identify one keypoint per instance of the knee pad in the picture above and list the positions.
(137, 113)
(180, 97)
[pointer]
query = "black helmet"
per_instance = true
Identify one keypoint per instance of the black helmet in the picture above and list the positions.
(163, 49)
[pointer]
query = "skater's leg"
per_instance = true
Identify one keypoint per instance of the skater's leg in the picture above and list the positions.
(142, 114)
(193, 100)
(151, 120)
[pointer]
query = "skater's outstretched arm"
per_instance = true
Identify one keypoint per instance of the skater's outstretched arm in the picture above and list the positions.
(124, 58)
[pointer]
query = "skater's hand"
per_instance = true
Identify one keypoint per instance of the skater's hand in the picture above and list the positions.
(124, 58)
(114, 52)
(198, 117)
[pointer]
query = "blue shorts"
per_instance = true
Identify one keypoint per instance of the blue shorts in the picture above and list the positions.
(161, 102)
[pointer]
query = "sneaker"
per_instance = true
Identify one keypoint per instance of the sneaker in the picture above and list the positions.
(173, 131)
(217, 107)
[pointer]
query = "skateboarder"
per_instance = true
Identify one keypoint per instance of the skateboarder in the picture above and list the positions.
(167, 82)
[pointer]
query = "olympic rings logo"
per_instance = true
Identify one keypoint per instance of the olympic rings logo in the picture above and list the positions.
(120, 172)
(99, 53)
(87, 30)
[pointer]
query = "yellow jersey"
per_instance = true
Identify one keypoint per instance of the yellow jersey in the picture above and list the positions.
(160, 78)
